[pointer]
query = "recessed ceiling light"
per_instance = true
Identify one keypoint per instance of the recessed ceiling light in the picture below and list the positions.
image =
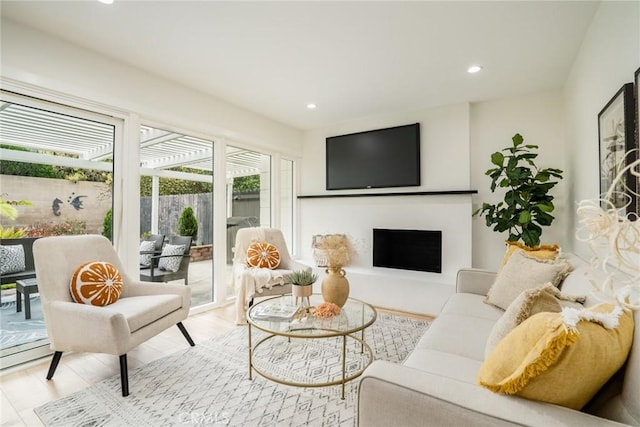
(311, 106)
(106, 1)
(474, 69)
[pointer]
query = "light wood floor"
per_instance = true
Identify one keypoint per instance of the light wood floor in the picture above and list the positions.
(24, 388)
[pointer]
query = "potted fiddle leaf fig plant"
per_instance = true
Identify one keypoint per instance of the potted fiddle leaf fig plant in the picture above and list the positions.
(527, 204)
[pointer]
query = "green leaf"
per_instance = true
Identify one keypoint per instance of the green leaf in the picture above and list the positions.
(530, 238)
(544, 219)
(497, 158)
(545, 207)
(517, 139)
(525, 217)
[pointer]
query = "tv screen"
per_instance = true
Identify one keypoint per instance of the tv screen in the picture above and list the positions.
(374, 159)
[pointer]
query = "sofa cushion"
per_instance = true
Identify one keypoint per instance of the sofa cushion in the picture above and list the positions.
(144, 310)
(561, 358)
(471, 305)
(546, 298)
(445, 364)
(522, 272)
(460, 335)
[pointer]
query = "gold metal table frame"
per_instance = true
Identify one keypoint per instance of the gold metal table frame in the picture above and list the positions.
(344, 325)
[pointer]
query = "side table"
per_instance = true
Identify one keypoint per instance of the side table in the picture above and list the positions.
(25, 287)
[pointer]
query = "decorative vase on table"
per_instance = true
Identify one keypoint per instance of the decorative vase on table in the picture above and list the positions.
(335, 286)
(332, 251)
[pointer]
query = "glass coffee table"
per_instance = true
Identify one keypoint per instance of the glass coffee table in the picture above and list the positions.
(289, 338)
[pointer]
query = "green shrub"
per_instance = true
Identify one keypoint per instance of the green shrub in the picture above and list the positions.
(188, 224)
(106, 225)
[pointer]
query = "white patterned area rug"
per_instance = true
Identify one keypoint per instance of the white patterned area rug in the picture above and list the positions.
(208, 384)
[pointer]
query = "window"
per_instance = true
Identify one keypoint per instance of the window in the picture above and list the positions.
(56, 179)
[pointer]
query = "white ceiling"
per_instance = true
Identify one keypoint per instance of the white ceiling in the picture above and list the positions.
(353, 59)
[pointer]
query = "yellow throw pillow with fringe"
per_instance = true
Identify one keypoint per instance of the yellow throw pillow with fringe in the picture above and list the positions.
(548, 252)
(560, 358)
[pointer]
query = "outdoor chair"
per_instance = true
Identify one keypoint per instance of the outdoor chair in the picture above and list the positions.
(250, 282)
(162, 271)
(158, 243)
(141, 311)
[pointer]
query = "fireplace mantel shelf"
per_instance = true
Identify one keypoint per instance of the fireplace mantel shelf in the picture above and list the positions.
(407, 193)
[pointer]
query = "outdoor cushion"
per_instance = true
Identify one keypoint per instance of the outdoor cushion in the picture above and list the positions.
(145, 258)
(171, 263)
(12, 259)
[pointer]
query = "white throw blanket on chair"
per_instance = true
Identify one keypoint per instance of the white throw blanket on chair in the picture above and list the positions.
(251, 280)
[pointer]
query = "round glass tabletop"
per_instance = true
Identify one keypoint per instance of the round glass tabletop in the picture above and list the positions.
(280, 316)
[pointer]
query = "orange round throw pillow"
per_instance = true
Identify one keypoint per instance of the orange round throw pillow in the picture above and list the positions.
(263, 255)
(96, 283)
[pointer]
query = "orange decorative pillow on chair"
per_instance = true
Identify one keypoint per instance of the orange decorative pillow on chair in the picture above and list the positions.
(96, 283)
(263, 255)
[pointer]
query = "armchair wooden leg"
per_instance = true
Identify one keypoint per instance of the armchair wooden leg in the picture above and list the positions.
(54, 364)
(185, 333)
(124, 375)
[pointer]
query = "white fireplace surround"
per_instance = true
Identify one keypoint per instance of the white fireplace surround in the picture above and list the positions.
(406, 290)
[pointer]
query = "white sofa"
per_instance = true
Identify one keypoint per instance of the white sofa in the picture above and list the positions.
(436, 385)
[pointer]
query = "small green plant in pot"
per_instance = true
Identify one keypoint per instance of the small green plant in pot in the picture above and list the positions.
(301, 281)
(188, 224)
(527, 204)
(301, 278)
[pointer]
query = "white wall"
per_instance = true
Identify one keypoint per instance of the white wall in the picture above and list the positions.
(608, 58)
(35, 58)
(539, 119)
(445, 166)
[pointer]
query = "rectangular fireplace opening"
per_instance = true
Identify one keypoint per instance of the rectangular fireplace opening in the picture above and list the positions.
(418, 250)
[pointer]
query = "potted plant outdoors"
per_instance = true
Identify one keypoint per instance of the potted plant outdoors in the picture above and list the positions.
(527, 206)
(302, 284)
(188, 224)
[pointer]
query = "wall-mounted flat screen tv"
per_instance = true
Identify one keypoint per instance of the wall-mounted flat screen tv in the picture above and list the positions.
(374, 159)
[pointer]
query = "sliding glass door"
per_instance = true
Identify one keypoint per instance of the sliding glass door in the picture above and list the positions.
(56, 176)
(176, 179)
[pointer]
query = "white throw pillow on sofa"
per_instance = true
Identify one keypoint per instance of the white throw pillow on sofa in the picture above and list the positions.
(522, 272)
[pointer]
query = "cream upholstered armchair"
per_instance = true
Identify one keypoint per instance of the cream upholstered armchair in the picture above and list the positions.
(249, 281)
(142, 310)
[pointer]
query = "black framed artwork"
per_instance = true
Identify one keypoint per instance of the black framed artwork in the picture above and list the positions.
(616, 133)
